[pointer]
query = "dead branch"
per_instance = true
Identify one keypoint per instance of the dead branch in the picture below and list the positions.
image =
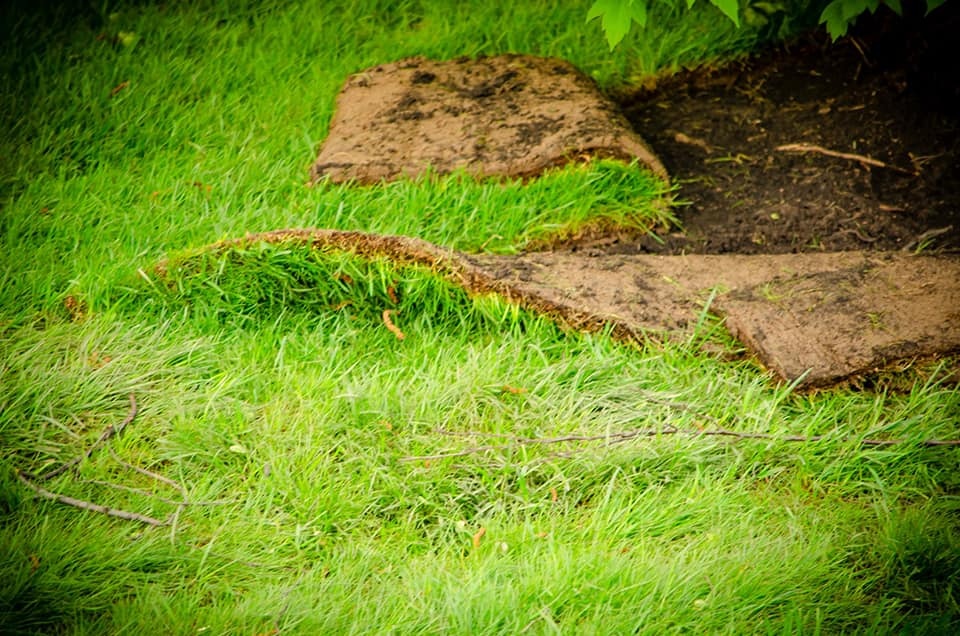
(624, 436)
(175, 517)
(31, 482)
(535, 441)
(152, 475)
(107, 433)
(870, 161)
(131, 489)
(151, 495)
(685, 407)
(86, 505)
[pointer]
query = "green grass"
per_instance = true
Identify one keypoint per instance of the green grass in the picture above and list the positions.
(271, 391)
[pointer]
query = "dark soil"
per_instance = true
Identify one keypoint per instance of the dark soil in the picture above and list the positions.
(890, 92)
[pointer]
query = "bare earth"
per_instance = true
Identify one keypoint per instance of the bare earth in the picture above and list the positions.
(813, 175)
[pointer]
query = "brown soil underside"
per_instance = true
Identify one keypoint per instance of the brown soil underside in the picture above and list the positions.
(814, 319)
(507, 115)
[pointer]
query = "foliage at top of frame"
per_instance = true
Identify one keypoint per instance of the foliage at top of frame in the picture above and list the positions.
(618, 16)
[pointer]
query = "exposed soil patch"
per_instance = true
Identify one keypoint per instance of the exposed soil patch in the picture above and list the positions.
(508, 115)
(812, 173)
(890, 93)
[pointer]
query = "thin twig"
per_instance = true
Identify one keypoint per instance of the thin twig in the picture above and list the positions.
(624, 436)
(136, 491)
(147, 493)
(152, 475)
(220, 555)
(286, 600)
(175, 517)
(722, 432)
(870, 161)
(107, 433)
(535, 441)
(685, 407)
(86, 505)
(474, 434)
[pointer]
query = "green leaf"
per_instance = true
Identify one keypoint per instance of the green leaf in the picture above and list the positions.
(833, 16)
(597, 9)
(840, 14)
(852, 9)
(730, 8)
(640, 12)
(127, 38)
(616, 17)
(933, 4)
(767, 8)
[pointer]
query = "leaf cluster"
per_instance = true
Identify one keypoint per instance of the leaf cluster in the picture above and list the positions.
(617, 16)
(840, 14)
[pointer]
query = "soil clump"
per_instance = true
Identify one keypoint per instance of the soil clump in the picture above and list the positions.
(812, 319)
(507, 115)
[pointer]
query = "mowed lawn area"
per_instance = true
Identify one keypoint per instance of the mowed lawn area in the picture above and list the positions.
(283, 463)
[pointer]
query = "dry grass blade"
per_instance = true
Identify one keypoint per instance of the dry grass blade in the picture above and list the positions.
(389, 323)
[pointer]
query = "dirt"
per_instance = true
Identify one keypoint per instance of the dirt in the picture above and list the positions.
(890, 92)
(508, 115)
(812, 319)
(812, 174)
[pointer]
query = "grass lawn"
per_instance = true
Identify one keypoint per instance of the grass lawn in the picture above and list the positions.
(339, 479)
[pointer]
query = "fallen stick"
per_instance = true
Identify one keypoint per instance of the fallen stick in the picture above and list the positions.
(147, 493)
(107, 433)
(86, 505)
(870, 161)
(531, 441)
(175, 517)
(150, 474)
(624, 436)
